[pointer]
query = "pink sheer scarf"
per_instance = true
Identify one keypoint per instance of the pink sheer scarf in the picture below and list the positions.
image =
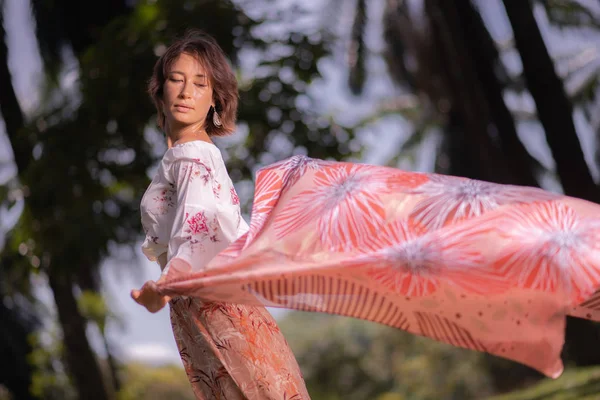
(489, 267)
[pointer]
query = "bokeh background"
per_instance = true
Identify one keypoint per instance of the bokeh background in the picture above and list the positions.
(499, 90)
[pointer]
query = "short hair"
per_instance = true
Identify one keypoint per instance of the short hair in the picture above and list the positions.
(221, 78)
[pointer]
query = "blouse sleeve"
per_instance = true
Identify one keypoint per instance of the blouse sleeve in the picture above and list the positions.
(196, 236)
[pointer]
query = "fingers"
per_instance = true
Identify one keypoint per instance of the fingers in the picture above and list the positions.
(149, 297)
(157, 305)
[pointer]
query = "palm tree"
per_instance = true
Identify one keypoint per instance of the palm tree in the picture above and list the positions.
(59, 23)
(448, 59)
(9, 105)
(555, 112)
(453, 63)
(18, 324)
(554, 108)
(16, 376)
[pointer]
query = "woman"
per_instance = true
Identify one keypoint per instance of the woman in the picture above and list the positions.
(191, 211)
(489, 267)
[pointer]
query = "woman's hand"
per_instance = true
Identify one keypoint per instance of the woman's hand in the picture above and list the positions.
(149, 297)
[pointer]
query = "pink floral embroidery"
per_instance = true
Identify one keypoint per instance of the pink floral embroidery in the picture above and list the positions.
(149, 237)
(199, 170)
(165, 199)
(213, 227)
(199, 228)
(217, 189)
(235, 200)
(197, 223)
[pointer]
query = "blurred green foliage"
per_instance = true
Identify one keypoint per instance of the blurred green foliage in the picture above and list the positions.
(166, 382)
(343, 358)
(50, 380)
(84, 157)
(575, 384)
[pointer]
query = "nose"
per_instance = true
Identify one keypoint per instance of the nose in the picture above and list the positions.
(186, 90)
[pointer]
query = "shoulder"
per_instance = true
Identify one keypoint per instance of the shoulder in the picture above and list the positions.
(197, 152)
(196, 149)
(197, 155)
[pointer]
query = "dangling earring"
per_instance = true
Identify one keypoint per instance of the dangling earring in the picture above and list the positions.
(216, 119)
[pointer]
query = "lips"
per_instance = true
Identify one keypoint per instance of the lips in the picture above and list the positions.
(183, 107)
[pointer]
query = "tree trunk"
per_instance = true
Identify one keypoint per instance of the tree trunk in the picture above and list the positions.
(476, 103)
(554, 108)
(356, 56)
(112, 365)
(9, 105)
(485, 58)
(81, 361)
(556, 115)
(581, 342)
(16, 376)
(15, 371)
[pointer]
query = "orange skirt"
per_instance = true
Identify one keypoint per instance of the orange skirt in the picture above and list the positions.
(234, 352)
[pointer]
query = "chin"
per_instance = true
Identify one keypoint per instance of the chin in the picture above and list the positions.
(185, 121)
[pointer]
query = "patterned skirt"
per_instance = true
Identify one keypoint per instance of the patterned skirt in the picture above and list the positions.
(234, 352)
(494, 268)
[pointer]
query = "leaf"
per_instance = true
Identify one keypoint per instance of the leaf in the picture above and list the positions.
(570, 13)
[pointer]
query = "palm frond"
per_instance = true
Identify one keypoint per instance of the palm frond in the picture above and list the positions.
(570, 13)
(51, 37)
(396, 22)
(357, 49)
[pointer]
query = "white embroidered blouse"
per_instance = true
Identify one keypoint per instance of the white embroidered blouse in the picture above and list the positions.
(190, 210)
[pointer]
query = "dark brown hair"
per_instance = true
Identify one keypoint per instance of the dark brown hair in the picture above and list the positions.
(220, 76)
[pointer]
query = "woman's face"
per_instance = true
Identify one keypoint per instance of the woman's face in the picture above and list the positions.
(187, 93)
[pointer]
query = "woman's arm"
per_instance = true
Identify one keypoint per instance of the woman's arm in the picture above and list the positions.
(196, 234)
(148, 295)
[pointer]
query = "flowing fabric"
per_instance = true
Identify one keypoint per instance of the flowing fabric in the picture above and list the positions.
(483, 266)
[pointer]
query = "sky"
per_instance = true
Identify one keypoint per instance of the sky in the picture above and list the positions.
(139, 335)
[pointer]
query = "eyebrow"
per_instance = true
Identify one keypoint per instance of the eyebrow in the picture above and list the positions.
(179, 72)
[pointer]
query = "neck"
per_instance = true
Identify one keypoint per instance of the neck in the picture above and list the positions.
(186, 133)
